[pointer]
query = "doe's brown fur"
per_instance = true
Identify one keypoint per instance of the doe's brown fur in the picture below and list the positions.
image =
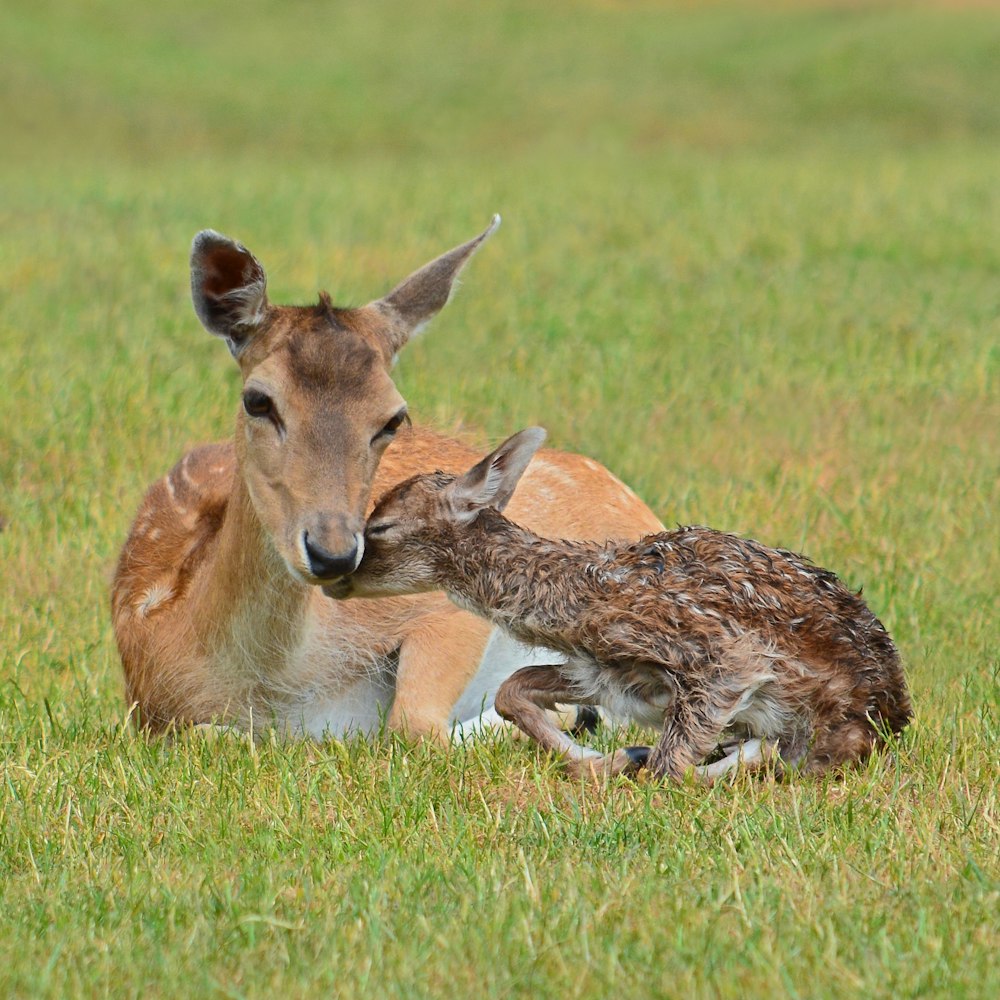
(218, 603)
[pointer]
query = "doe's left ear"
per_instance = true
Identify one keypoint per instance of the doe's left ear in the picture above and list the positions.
(228, 288)
(491, 482)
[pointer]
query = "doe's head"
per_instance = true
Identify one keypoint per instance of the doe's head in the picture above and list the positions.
(419, 522)
(319, 403)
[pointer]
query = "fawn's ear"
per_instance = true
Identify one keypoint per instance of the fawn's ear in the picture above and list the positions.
(228, 288)
(491, 482)
(415, 301)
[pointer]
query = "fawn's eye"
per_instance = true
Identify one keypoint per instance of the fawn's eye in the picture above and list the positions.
(257, 403)
(393, 425)
(374, 530)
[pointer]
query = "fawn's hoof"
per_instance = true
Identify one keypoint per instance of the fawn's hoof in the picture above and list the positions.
(587, 720)
(637, 759)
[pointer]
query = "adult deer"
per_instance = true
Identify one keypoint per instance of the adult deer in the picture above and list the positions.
(218, 602)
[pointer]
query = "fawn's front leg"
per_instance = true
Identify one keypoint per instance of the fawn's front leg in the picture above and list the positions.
(437, 661)
(523, 699)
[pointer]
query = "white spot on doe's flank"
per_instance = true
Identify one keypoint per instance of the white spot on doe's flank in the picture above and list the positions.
(555, 476)
(628, 494)
(156, 595)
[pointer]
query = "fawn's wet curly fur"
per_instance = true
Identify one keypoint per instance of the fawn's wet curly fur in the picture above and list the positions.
(717, 638)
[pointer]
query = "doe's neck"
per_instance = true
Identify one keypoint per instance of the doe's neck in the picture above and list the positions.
(251, 591)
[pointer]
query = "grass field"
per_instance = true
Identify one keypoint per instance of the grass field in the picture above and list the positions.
(749, 260)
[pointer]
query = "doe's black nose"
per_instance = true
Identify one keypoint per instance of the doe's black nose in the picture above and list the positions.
(326, 565)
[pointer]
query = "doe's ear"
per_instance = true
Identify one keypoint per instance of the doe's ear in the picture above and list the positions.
(228, 288)
(491, 482)
(417, 299)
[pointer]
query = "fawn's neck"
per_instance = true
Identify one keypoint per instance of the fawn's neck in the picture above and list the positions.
(516, 579)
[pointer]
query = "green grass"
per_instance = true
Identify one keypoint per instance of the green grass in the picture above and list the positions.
(749, 260)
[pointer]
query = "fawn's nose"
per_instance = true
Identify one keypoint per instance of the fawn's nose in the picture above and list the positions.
(327, 565)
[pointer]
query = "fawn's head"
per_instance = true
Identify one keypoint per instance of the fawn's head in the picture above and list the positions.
(431, 514)
(319, 404)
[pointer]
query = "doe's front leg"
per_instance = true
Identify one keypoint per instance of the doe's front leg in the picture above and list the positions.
(751, 755)
(437, 660)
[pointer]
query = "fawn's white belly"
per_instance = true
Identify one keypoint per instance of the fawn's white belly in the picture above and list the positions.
(645, 694)
(641, 695)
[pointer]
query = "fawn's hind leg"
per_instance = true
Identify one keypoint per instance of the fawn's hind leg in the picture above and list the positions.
(835, 747)
(690, 732)
(694, 729)
(523, 698)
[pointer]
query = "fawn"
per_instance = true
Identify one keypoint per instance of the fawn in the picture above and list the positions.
(733, 648)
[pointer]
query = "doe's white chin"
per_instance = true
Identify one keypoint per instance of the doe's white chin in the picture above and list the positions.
(360, 539)
(339, 589)
(297, 575)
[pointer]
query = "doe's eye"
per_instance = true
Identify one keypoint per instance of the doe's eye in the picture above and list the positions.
(392, 426)
(257, 403)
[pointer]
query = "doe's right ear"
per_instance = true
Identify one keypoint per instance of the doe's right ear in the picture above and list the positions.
(228, 288)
